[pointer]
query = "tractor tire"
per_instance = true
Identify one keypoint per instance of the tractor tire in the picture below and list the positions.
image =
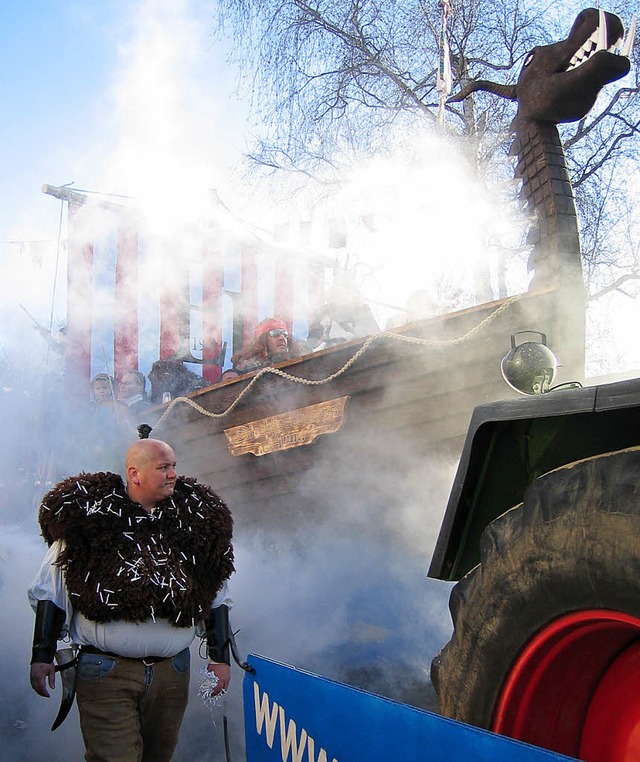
(546, 639)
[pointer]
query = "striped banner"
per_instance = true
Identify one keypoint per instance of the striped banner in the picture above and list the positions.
(132, 300)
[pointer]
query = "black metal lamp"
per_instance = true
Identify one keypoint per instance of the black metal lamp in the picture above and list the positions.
(529, 367)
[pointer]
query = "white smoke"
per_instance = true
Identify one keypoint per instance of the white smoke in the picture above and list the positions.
(336, 601)
(176, 129)
(25, 718)
(344, 594)
(339, 588)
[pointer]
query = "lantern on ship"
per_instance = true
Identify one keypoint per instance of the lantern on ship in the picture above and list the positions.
(529, 367)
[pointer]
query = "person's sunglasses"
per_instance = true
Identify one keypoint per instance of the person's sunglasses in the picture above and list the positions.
(278, 332)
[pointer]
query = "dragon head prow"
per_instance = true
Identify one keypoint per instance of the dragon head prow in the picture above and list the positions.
(560, 82)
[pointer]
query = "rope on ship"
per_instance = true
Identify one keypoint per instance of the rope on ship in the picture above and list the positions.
(356, 356)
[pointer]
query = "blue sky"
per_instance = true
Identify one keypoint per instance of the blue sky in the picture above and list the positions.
(119, 96)
(62, 63)
(55, 61)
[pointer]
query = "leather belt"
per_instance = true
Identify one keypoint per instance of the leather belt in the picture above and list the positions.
(146, 660)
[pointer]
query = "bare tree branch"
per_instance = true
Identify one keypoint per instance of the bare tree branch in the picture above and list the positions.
(616, 286)
(328, 77)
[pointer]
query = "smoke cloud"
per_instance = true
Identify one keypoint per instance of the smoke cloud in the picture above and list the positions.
(340, 589)
(343, 593)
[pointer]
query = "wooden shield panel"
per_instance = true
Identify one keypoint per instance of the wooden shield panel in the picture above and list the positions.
(286, 430)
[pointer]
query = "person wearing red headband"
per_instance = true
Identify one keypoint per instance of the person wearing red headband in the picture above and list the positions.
(272, 345)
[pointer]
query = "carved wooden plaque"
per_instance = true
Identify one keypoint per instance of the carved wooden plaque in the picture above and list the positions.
(286, 430)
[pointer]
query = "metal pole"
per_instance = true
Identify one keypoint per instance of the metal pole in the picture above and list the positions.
(444, 70)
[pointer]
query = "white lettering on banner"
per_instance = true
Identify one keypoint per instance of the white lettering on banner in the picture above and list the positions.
(289, 741)
(290, 744)
(311, 747)
(262, 709)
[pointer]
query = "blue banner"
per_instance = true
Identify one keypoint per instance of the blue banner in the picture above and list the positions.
(294, 716)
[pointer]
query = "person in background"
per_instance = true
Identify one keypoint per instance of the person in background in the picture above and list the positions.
(228, 375)
(134, 607)
(131, 391)
(419, 306)
(272, 345)
(103, 390)
(346, 315)
(173, 378)
(108, 428)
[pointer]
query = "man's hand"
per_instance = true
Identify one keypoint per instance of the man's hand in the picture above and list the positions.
(223, 673)
(42, 673)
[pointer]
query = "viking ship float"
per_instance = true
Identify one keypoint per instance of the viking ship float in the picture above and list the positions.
(285, 443)
(269, 440)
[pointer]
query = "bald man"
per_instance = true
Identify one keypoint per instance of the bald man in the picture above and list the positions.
(133, 573)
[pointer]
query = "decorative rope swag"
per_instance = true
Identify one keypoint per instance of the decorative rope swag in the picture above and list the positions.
(352, 360)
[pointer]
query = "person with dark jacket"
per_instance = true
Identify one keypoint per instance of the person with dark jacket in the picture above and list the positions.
(132, 393)
(173, 378)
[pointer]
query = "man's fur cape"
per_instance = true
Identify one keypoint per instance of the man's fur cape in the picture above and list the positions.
(122, 563)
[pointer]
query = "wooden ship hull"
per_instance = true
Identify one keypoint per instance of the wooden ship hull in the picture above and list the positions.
(278, 449)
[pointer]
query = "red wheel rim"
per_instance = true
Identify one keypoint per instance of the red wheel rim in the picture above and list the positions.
(574, 688)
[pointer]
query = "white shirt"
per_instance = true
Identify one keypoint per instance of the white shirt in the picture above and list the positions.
(154, 637)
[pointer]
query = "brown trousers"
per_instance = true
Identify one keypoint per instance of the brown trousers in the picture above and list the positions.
(131, 712)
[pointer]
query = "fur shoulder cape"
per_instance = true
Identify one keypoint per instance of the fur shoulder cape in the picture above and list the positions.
(122, 563)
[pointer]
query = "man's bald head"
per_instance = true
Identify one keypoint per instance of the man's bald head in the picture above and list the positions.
(151, 472)
(142, 450)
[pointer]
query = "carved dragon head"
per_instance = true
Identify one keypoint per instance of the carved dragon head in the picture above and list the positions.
(560, 82)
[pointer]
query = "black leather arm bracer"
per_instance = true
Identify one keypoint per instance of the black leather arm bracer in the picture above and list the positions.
(218, 634)
(49, 621)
